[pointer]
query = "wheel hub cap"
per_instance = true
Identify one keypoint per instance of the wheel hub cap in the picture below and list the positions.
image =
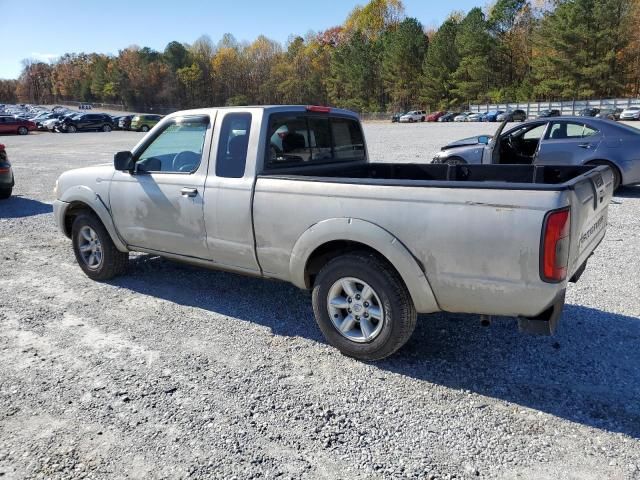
(355, 309)
(90, 247)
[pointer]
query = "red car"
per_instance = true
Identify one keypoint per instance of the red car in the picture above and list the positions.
(9, 124)
(435, 116)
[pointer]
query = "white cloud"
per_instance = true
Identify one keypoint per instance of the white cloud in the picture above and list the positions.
(44, 57)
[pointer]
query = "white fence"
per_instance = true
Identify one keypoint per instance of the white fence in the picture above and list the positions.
(571, 107)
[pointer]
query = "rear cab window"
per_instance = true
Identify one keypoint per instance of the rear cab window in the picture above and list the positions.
(310, 139)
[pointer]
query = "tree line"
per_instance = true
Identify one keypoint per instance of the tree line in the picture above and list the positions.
(379, 59)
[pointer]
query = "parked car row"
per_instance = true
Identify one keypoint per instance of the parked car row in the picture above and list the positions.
(517, 115)
(22, 119)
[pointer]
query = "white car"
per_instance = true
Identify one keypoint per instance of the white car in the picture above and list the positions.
(414, 116)
(49, 124)
(631, 113)
(475, 117)
(462, 117)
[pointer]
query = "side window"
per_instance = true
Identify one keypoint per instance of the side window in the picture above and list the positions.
(535, 133)
(232, 147)
(562, 130)
(348, 141)
(177, 148)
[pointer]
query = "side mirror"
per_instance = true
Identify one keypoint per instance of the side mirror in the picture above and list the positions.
(123, 161)
(483, 139)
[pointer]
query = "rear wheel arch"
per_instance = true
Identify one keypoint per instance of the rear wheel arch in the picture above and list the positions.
(334, 237)
(616, 170)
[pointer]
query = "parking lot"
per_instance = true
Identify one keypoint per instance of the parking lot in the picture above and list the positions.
(174, 372)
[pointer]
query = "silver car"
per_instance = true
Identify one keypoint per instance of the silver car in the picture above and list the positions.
(555, 141)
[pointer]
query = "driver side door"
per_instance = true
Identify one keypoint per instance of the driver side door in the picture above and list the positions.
(159, 206)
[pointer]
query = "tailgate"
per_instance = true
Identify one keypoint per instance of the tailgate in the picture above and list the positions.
(590, 197)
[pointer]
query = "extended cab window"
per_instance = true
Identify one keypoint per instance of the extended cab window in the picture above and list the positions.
(177, 148)
(232, 147)
(302, 139)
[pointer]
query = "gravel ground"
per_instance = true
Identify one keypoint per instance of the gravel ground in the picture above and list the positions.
(174, 372)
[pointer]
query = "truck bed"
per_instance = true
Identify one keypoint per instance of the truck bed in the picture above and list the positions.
(474, 229)
(511, 177)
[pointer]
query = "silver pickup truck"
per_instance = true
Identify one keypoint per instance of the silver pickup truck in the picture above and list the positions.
(288, 193)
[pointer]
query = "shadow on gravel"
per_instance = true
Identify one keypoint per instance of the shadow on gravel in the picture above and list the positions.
(628, 192)
(18, 207)
(588, 373)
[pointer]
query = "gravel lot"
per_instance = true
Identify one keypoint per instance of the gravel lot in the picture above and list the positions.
(174, 372)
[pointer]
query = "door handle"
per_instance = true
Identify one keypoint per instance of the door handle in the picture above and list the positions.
(585, 145)
(189, 192)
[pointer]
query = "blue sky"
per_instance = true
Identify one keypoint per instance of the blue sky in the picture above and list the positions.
(43, 30)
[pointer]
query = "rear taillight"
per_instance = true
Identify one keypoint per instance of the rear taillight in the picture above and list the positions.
(555, 246)
(4, 170)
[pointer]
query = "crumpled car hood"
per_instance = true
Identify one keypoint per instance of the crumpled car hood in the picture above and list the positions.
(465, 142)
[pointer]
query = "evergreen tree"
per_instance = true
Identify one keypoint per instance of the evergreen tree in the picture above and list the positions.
(473, 77)
(403, 54)
(578, 45)
(440, 62)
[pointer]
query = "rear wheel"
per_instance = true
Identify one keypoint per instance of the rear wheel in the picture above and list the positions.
(106, 128)
(144, 128)
(363, 307)
(95, 252)
(5, 193)
(23, 130)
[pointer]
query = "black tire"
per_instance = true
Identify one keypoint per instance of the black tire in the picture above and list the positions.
(144, 128)
(5, 193)
(23, 131)
(72, 129)
(395, 301)
(114, 262)
(106, 128)
(617, 178)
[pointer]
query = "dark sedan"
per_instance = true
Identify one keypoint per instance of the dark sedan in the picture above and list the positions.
(555, 141)
(589, 112)
(86, 122)
(6, 174)
(448, 117)
(512, 116)
(11, 124)
(124, 122)
(549, 113)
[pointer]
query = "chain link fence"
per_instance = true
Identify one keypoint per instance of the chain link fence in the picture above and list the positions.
(569, 107)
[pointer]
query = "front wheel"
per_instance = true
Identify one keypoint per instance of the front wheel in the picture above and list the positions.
(144, 128)
(363, 307)
(106, 128)
(72, 129)
(95, 252)
(23, 130)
